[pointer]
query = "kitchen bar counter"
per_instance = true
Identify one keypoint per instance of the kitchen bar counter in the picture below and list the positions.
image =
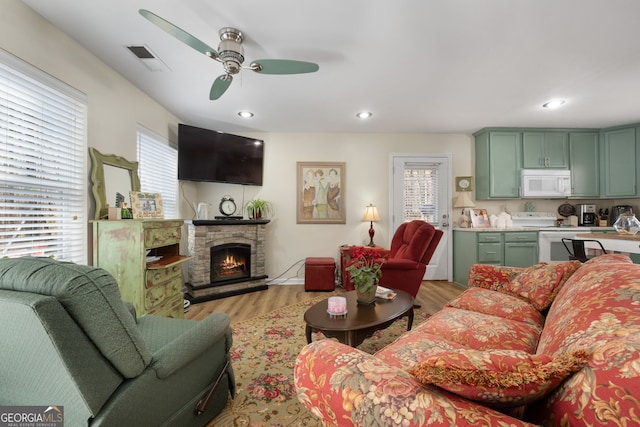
(583, 229)
(615, 242)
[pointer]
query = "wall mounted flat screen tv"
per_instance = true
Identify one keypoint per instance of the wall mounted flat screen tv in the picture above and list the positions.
(211, 156)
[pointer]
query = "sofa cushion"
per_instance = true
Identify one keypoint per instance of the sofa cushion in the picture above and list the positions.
(538, 284)
(582, 316)
(609, 259)
(499, 377)
(481, 331)
(497, 304)
(413, 347)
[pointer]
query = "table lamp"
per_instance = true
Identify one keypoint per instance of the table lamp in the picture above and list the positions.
(371, 214)
(464, 201)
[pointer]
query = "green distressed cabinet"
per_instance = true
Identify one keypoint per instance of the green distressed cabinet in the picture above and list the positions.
(618, 157)
(497, 164)
(585, 164)
(542, 150)
(512, 248)
(121, 247)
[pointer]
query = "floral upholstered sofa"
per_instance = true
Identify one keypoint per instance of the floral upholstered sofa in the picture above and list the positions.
(555, 345)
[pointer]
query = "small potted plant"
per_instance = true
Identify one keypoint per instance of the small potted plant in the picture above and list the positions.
(258, 209)
(365, 270)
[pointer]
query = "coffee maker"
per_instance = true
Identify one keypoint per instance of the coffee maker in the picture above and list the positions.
(587, 215)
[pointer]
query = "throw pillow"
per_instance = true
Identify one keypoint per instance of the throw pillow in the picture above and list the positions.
(498, 377)
(540, 283)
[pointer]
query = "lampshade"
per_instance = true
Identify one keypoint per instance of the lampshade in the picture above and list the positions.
(371, 214)
(463, 201)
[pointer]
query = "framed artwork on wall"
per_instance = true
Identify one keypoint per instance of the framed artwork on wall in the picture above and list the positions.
(146, 205)
(320, 193)
(464, 183)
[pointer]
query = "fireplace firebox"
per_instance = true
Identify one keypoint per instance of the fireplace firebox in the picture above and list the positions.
(230, 262)
(227, 258)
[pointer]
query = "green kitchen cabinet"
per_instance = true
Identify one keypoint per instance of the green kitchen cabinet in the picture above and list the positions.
(520, 248)
(512, 248)
(618, 153)
(585, 164)
(497, 164)
(490, 248)
(542, 150)
(465, 254)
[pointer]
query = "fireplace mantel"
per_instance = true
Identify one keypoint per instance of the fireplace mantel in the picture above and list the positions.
(205, 234)
(197, 222)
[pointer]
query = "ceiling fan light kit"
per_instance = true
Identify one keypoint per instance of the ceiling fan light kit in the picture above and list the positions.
(231, 54)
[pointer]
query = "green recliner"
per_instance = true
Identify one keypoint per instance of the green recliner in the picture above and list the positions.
(68, 340)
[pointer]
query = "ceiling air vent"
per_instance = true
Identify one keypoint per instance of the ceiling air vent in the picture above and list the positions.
(148, 58)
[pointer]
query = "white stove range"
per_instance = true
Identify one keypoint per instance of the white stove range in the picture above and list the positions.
(550, 235)
(534, 219)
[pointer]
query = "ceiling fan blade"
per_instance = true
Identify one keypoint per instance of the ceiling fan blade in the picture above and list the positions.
(178, 33)
(220, 86)
(283, 66)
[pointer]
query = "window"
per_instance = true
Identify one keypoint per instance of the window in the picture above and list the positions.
(158, 169)
(43, 178)
(421, 192)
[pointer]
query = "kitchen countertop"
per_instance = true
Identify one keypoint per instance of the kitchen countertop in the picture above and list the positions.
(614, 242)
(611, 236)
(536, 229)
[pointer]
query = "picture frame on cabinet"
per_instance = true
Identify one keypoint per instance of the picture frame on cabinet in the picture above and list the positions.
(146, 205)
(320, 193)
(479, 218)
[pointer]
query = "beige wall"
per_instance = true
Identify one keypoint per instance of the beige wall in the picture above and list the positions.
(116, 107)
(367, 181)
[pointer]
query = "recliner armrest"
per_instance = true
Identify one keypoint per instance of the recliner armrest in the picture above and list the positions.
(401, 264)
(191, 344)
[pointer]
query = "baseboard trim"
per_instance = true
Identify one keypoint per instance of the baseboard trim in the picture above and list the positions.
(289, 281)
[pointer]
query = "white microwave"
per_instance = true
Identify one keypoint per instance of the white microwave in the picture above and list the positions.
(545, 183)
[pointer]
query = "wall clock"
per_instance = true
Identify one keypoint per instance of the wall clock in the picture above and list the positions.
(227, 206)
(463, 183)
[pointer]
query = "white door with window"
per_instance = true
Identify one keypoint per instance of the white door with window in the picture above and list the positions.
(421, 188)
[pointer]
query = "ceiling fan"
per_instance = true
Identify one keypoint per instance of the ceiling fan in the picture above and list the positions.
(231, 54)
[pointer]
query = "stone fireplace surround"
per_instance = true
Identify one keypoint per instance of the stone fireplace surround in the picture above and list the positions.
(202, 235)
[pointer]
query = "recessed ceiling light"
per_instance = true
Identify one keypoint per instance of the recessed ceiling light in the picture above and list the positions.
(364, 115)
(554, 104)
(245, 114)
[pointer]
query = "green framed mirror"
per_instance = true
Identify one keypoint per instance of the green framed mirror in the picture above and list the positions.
(111, 174)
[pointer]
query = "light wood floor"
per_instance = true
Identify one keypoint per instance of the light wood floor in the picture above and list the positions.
(432, 297)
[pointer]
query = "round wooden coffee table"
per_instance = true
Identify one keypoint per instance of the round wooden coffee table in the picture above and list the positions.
(361, 321)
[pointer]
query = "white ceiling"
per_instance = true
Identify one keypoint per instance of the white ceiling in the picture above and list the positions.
(450, 66)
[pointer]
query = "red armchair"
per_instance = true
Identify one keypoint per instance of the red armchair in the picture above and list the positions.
(412, 247)
(411, 250)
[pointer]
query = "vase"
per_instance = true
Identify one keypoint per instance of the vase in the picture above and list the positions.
(366, 298)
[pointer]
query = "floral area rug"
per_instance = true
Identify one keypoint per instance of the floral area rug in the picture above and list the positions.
(263, 356)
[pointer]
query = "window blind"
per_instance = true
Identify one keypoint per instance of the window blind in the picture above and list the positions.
(158, 169)
(43, 178)
(421, 192)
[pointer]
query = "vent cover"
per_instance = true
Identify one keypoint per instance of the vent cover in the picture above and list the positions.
(148, 58)
(141, 52)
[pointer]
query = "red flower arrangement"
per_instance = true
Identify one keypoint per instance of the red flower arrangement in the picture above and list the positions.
(365, 267)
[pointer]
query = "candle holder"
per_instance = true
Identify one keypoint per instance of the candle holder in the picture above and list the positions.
(337, 306)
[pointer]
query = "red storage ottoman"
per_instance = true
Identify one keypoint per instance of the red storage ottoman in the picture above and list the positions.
(319, 274)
